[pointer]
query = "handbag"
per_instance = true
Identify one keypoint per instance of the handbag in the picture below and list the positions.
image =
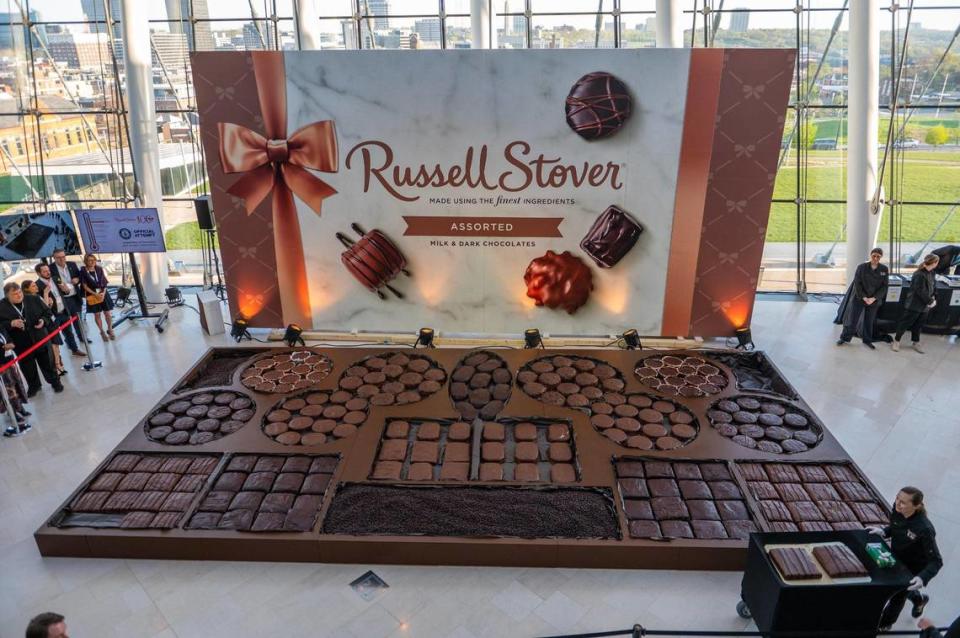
(94, 299)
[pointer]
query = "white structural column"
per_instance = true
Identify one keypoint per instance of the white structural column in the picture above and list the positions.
(669, 24)
(142, 118)
(307, 22)
(481, 22)
(863, 102)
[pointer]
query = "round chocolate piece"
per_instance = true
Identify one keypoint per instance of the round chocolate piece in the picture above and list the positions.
(334, 411)
(177, 438)
(185, 423)
(219, 412)
(681, 416)
(640, 442)
(753, 431)
(668, 443)
(807, 437)
(317, 398)
(178, 407)
(640, 400)
(650, 415)
(229, 427)
(202, 399)
(550, 379)
(160, 432)
(273, 429)
(683, 431)
(553, 397)
(288, 438)
(242, 415)
(279, 415)
(773, 408)
(792, 446)
(344, 430)
(777, 433)
(718, 416)
(199, 438)
(293, 404)
(728, 406)
(577, 401)
(745, 441)
(602, 421)
(601, 408)
(240, 403)
(313, 438)
(654, 430)
(744, 417)
(748, 403)
(300, 423)
(770, 447)
(665, 407)
(208, 425)
(727, 429)
(795, 420)
(615, 435)
(768, 419)
(163, 418)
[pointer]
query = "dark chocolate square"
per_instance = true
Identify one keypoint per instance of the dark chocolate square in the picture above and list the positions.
(297, 464)
(277, 502)
(300, 520)
(242, 463)
(693, 489)
(710, 529)
(630, 469)
(644, 529)
(791, 492)
(637, 509)
(633, 488)
(166, 520)
(133, 481)
(393, 450)
(315, 484)
(120, 501)
(246, 501)
(190, 483)
(815, 526)
(454, 471)
(804, 511)
(323, 465)
(216, 502)
(149, 464)
(781, 473)
(106, 482)
(307, 502)
(90, 502)
(687, 471)
(177, 502)
(269, 464)
(869, 513)
(822, 492)
(611, 236)
(783, 526)
(205, 520)
(812, 474)
(740, 529)
(845, 525)
(425, 452)
(236, 519)
(676, 529)
(732, 510)
(753, 471)
(839, 473)
(124, 463)
(836, 512)
(230, 482)
(288, 482)
(163, 481)
(762, 490)
(703, 510)
(851, 491)
(203, 465)
(715, 472)
(669, 507)
(259, 481)
(268, 522)
(725, 490)
(150, 501)
(775, 511)
(137, 520)
(658, 469)
(663, 487)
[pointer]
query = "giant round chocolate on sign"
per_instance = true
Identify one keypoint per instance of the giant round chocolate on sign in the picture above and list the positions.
(199, 418)
(571, 381)
(770, 425)
(286, 371)
(661, 423)
(598, 105)
(686, 376)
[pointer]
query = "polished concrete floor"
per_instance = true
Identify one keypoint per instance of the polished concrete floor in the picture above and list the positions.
(896, 413)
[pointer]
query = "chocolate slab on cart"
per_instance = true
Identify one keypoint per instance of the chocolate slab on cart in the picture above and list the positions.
(576, 457)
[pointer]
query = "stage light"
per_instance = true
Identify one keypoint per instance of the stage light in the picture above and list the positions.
(424, 338)
(532, 339)
(239, 329)
(174, 296)
(631, 340)
(292, 335)
(123, 296)
(744, 339)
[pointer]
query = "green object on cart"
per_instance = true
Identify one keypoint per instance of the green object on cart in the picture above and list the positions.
(881, 555)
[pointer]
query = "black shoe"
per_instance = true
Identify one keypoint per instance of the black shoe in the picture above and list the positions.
(25, 413)
(25, 427)
(841, 342)
(918, 607)
(32, 392)
(870, 345)
(58, 388)
(89, 340)
(60, 373)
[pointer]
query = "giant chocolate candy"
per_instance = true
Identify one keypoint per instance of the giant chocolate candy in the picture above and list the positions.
(598, 105)
(611, 237)
(559, 281)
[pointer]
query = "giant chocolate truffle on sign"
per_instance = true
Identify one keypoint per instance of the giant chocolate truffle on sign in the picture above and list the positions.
(598, 105)
(559, 281)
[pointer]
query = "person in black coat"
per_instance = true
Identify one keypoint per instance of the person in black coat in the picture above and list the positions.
(66, 275)
(919, 301)
(949, 255)
(27, 319)
(869, 291)
(913, 541)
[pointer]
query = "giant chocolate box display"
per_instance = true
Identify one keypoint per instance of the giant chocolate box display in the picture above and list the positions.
(586, 458)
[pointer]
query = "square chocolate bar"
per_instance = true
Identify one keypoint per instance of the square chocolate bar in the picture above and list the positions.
(611, 237)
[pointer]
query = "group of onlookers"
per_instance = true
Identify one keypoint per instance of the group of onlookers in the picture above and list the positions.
(869, 289)
(36, 309)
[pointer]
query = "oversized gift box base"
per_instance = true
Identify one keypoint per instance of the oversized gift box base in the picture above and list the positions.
(532, 482)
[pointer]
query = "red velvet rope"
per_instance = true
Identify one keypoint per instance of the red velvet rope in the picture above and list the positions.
(29, 350)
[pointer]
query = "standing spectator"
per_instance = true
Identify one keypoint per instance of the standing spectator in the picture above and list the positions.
(949, 257)
(66, 275)
(869, 291)
(94, 283)
(913, 542)
(50, 295)
(26, 319)
(919, 301)
(31, 289)
(13, 383)
(47, 625)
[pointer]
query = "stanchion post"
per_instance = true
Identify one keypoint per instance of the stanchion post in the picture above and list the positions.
(11, 414)
(90, 364)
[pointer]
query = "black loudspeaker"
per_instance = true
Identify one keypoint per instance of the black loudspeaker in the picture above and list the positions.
(204, 212)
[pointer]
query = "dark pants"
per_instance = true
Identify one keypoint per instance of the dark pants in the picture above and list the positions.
(73, 307)
(855, 310)
(913, 321)
(41, 358)
(895, 606)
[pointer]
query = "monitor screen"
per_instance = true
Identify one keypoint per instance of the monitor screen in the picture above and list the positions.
(121, 230)
(37, 235)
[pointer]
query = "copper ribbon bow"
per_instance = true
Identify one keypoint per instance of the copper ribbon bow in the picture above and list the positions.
(277, 163)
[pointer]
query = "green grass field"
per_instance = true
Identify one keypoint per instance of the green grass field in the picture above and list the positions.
(930, 176)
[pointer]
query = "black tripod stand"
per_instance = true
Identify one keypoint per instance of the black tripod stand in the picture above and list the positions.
(142, 298)
(212, 275)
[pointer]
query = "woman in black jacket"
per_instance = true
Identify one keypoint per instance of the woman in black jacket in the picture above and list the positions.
(920, 299)
(913, 542)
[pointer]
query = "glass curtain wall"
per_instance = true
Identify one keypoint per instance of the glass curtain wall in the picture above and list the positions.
(63, 138)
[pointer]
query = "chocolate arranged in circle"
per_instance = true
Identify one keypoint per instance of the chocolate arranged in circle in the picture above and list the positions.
(770, 425)
(645, 422)
(571, 381)
(287, 371)
(480, 385)
(199, 418)
(687, 376)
